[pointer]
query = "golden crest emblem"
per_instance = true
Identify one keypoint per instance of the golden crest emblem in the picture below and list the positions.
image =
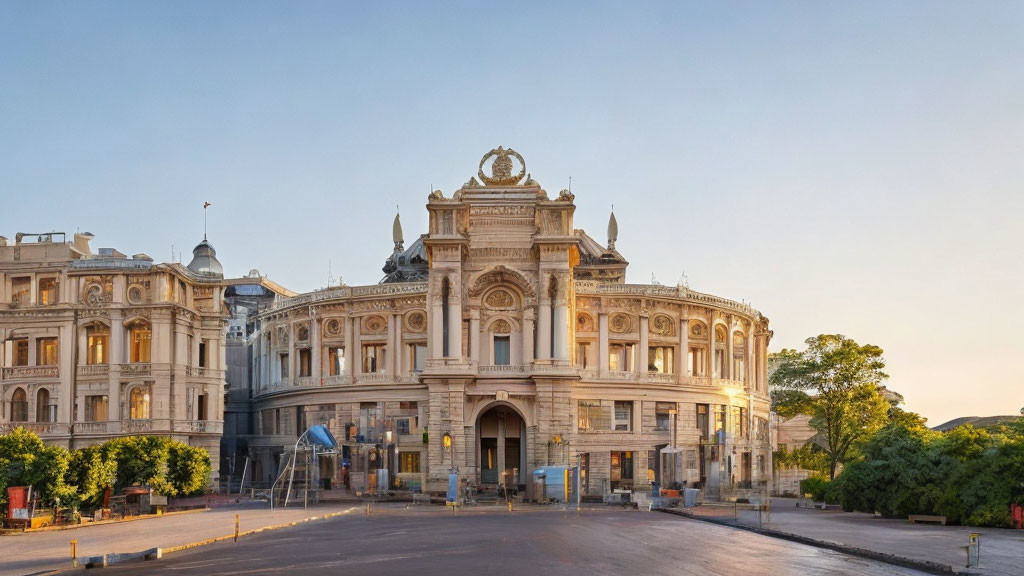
(501, 168)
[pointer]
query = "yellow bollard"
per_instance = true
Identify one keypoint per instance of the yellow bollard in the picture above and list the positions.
(74, 553)
(509, 505)
(236, 527)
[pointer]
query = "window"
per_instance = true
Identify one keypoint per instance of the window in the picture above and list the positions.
(305, 362)
(19, 406)
(409, 462)
(47, 291)
(284, 365)
(402, 426)
(623, 416)
(45, 412)
(659, 359)
(501, 350)
(702, 420)
(201, 403)
(760, 465)
(97, 338)
(697, 361)
(719, 363)
(267, 422)
(21, 352)
(719, 419)
(95, 408)
(593, 416)
(582, 357)
(691, 459)
(418, 357)
(406, 406)
(202, 354)
(140, 339)
(373, 358)
(760, 428)
(369, 414)
(739, 422)
(336, 361)
(21, 289)
(46, 352)
(620, 357)
(139, 404)
(663, 415)
(621, 469)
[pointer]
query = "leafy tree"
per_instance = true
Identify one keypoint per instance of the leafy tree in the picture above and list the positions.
(188, 468)
(844, 377)
(26, 461)
(789, 403)
(92, 471)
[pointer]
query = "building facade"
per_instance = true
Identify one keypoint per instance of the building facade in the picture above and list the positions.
(511, 335)
(102, 345)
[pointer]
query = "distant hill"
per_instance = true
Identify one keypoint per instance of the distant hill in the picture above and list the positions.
(976, 421)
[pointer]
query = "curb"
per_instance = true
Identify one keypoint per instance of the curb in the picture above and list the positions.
(902, 561)
(108, 522)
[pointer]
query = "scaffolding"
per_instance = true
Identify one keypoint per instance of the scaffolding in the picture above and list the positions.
(303, 457)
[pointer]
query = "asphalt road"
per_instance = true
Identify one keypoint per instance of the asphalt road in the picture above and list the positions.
(545, 542)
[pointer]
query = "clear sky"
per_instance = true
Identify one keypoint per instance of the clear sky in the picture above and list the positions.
(851, 168)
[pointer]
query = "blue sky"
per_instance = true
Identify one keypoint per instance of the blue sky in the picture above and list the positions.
(846, 167)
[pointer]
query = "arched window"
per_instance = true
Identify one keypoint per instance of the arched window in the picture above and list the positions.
(19, 406)
(45, 412)
(139, 404)
(98, 341)
(140, 336)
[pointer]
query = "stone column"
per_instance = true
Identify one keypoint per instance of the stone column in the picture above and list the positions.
(391, 358)
(66, 350)
(528, 336)
(118, 348)
(435, 344)
(711, 345)
(474, 335)
(560, 347)
(292, 353)
(315, 352)
(544, 329)
(357, 351)
(727, 371)
(350, 353)
(455, 323)
(748, 361)
(683, 361)
(602, 344)
(640, 366)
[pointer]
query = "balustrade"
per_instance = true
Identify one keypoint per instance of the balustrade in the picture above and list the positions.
(37, 428)
(12, 372)
(93, 370)
(137, 369)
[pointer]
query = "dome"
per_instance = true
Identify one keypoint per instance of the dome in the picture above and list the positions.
(204, 260)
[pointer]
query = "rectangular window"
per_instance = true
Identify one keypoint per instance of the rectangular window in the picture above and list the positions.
(95, 408)
(760, 465)
(720, 419)
(402, 426)
(408, 406)
(702, 420)
(691, 459)
(719, 363)
(582, 357)
(409, 462)
(501, 350)
(21, 352)
(659, 359)
(623, 415)
(369, 415)
(373, 358)
(267, 422)
(284, 365)
(305, 362)
(140, 339)
(620, 357)
(592, 415)
(21, 289)
(336, 361)
(46, 352)
(418, 357)
(97, 339)
(202, 354)
(663, 415)
(47, 291)
(621, 469)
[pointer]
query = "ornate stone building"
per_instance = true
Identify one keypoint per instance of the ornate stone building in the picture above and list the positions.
(97, 346)
(512, 333)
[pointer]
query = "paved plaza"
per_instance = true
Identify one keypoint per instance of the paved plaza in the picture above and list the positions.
(548, 541)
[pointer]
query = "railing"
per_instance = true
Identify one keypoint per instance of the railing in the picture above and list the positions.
(90, 427)
(195, 371)
(592, 287)
(303, 382)
(132, 426)
(199, 426)
(10, 372)
(93, 370)
(339, 380)
(136, 369)
(349, 291)
(37, 428)
(503, 370)
(660, 377)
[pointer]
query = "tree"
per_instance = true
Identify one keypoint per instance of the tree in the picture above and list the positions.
(844, 377)
(92, 472)
(26, 461)
(188, 468)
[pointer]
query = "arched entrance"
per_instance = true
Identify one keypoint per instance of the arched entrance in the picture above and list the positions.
(501, 447)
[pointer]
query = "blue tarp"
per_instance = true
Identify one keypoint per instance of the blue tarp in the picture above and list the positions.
(321, 436)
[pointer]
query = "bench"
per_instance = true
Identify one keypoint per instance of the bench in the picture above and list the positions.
(916, 518)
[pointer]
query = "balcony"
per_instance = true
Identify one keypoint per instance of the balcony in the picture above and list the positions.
(90, 427)
(34, 372)
(504, 370)
(43, 429)
(660, 378)
(93, 371)
(199, 426)
(339, 380)
(137, 369)
(195, 372)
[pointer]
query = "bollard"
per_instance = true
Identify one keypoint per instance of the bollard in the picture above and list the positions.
(509, 505)
(236, 527)
(74, 553)
(974, 550)
(367, 508)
